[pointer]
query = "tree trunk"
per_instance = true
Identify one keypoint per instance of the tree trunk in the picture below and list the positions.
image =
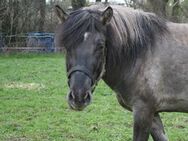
(2, 12)
(76, 4)
(156, 6)
(42, 12)
(176, 11)
(159, 7)
(2, 6)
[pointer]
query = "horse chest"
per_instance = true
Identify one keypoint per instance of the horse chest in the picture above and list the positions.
(125, 95)
(124, 102)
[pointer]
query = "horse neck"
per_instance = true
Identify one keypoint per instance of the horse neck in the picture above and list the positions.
(122, 71)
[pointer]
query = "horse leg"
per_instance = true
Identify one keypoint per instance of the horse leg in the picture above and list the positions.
(157, 129)
(143, 117)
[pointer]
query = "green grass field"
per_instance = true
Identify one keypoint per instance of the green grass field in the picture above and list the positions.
(33, 106)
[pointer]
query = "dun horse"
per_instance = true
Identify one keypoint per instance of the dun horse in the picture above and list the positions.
(142, 57)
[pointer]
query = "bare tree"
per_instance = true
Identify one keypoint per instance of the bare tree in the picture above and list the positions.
(76, 4)
(159, 7)
(156, 6)
(176, 10)
(42, 11)
(2, 11)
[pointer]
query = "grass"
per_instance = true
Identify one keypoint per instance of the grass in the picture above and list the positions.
(33, 106)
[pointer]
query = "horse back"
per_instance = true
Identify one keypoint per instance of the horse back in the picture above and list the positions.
(179, 33)
(168, 74)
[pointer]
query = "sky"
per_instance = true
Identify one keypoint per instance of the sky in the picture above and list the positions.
(119, 1)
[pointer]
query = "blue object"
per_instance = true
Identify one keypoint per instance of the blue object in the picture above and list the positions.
(41, 39)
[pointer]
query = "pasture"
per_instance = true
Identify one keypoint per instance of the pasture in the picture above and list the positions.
(33, 106)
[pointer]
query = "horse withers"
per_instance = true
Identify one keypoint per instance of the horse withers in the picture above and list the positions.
(142, 57)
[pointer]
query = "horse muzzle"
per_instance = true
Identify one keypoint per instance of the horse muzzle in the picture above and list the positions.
(78, 101)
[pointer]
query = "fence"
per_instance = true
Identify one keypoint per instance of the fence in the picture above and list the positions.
(30, 42)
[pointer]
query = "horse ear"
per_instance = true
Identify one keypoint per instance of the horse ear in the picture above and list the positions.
(62, 15)
(107, 15)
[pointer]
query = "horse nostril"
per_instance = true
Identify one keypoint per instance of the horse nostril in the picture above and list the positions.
(87, 96)
(71, 96)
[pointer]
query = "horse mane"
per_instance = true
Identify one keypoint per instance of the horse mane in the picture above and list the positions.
(132, 33)
(129, 34)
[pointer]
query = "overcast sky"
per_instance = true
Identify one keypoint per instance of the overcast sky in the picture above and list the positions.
(119, 1)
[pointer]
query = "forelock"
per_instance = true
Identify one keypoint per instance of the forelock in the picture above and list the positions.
(78, 24)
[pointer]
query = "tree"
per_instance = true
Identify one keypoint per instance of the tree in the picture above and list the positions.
(159, 7)
(10, 19)
(176, 10)
(156, 6)
(2, 12)
(42, 11)
(184, 10)
(1, 18)
(76, 4)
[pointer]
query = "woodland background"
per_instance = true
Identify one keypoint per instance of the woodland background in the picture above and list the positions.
(18, 17)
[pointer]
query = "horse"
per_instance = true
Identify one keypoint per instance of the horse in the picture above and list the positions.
(143, 58)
